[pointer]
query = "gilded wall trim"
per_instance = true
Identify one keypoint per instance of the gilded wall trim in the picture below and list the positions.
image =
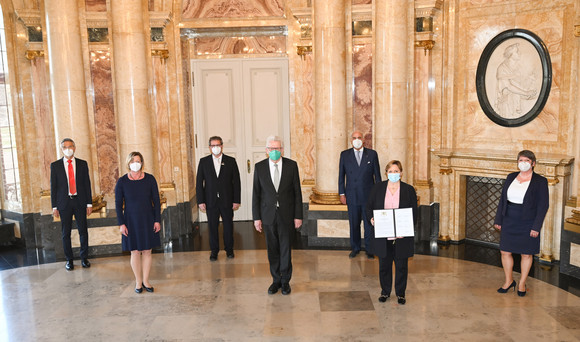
(163, 53)
(32, 54)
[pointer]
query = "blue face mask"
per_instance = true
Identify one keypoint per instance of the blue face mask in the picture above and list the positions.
(394, 177)
(274, 155)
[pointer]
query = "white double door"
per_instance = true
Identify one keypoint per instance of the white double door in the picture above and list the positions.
(243, 102)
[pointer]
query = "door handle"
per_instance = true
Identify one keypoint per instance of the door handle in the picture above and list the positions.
(249, 170)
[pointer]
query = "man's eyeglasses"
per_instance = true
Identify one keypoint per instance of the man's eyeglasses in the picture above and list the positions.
(275, 148)
(218, 145)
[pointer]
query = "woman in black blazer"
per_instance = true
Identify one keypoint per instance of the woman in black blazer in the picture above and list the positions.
(520, 215)
(393, 194)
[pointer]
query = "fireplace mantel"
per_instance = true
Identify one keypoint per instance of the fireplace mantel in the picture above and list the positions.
(456, 164)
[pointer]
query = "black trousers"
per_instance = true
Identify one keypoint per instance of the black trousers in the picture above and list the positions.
(213, 220)
(278, 241)
(386, 272)
(79, 211)
(356, 213)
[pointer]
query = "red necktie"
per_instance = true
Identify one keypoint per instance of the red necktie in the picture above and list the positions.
(72, 185)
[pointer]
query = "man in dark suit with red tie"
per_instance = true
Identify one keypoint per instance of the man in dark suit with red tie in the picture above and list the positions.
(358, 171)
(70, 193)
(218, 194)
(277, 210)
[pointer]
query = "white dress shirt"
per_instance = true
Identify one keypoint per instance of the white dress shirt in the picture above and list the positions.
(217, 164)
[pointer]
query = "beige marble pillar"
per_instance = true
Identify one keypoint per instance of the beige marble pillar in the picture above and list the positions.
(391, 58)
(67, 76)
(130, 53)
(547, 233)
(422, 160)
(329, 96)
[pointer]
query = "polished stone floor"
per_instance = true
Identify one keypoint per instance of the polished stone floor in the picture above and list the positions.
(451, 296)
(333, 298)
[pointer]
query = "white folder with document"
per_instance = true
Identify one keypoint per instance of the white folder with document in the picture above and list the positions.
(393, 223)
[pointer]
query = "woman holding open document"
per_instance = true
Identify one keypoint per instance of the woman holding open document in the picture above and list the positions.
(399, 247)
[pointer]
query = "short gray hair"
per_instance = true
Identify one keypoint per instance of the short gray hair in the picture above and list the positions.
(274, 138)
(65, 140)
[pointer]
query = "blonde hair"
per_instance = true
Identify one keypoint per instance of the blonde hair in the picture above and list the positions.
(394, 162)
(130, 159)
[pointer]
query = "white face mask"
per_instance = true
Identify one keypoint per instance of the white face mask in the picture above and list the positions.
(216, 150)
(68, 152)
(524, 166)
(135, 166)
(357, 143)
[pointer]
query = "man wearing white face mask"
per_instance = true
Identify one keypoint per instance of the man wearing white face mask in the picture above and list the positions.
(218, 194)
(70, 192)
(357, 173)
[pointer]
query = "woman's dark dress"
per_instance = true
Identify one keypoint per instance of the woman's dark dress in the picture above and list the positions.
(517, 220)
(142, 210)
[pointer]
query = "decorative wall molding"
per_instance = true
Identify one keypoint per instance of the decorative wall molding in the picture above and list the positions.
(97, 20)
(427, 8)
(159, 19)
(29, 17)
(362, 12)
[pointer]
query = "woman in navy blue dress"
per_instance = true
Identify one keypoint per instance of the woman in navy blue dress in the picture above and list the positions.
(520, 214)
(139, 217)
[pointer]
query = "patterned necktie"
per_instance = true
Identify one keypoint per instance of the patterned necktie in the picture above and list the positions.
(72, 184)
(276, 177)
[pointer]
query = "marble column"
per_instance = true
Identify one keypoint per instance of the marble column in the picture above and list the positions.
(422, 146)
(130, 52)
(547, 233)
(67, 76)
(329, 97)
(391, 58)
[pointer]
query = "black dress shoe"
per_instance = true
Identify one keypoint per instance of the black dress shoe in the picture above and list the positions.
(353, 254)
(86, 263)
(69, 265)
(230, 255)
(370, 256)
(213, 257)
(273, 288)
(521, 293)
(383, 298)
(286, 289)
(148, 289)
(139, 290)
(401, 300)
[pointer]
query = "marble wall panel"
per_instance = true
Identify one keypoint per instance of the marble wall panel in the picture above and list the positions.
(333, 228)
(188, 115)
(105, 123)
(362, 2)
(44, 127)
(208, 46)
(98, 236)
(363, 91)
(96, 5)
(575, 254)
(162, 119)
(304, 139)
(195, 9)
(481, 21)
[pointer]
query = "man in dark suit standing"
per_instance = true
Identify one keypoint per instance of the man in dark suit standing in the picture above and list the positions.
(218, 194)
(358, 171)
(277, 210)
(70, 193)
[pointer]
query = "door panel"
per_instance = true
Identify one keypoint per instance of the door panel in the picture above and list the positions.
(243, 101)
